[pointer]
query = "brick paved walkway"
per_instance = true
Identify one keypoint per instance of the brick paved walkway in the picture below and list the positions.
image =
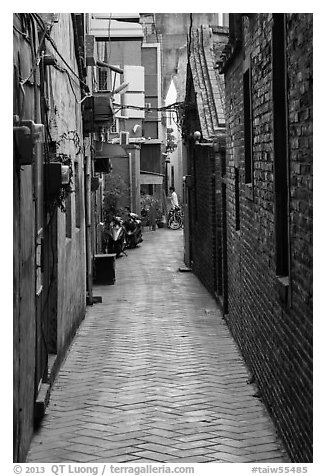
(154, 376)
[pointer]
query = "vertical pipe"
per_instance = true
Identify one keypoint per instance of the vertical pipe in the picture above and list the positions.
(88, 223)
(131, 188)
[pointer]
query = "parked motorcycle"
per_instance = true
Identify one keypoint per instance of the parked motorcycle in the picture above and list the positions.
(116, 236)
(133, 232)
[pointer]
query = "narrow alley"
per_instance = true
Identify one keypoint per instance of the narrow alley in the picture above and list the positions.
(153, 375)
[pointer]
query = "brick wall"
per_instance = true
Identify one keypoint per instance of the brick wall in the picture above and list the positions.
(273, 328)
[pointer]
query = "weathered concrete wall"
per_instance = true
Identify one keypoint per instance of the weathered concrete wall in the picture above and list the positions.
(24, 262)
(65, 117)
(125, 52)
(274, 333)
(31, 325)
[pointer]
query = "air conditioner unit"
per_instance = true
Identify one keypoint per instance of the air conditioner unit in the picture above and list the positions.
(124, 138)
(103, 109)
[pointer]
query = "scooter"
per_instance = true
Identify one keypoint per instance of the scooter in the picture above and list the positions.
(116, 236)
(133, 233)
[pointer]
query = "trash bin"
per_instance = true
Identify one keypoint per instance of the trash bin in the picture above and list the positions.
(104, 269)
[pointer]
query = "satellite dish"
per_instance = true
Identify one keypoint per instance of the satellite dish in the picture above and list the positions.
(136, 128)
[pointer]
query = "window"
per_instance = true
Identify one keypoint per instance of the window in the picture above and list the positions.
(247, 111)
(237, 197)
(280, 128)
(150, 129)
(103, 79)
(115, 126)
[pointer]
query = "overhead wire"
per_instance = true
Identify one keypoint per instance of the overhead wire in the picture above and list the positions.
(51, 40)
(35, 63)
(171, 107)
(25, 35)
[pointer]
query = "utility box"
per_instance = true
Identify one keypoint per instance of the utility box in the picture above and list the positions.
(104, 268)
(52, 178)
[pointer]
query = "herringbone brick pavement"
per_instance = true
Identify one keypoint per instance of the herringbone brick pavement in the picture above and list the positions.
(154, 375)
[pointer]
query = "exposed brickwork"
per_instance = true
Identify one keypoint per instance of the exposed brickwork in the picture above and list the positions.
(275, 337)
(205, 113)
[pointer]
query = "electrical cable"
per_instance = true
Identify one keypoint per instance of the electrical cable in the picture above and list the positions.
(59, 68)
(25, 35)
(72, 88)
(171, 107)
(51, 40)
(37, 62)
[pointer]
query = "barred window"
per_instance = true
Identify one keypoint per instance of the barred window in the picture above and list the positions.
(102, 79)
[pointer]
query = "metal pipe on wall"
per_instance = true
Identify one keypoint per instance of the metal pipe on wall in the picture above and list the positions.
(88, 223)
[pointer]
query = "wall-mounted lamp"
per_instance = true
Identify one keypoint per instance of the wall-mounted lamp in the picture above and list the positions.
(197, 136)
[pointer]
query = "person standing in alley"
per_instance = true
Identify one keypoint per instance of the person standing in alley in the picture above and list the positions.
(152, 216)
(174, 198)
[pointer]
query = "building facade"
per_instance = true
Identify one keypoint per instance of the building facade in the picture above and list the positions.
(204, 135)
(248, 202)
(53, 170)
(134, 81)
(251, 199)
(268, 75)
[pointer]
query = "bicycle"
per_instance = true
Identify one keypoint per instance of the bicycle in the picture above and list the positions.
(175, 219)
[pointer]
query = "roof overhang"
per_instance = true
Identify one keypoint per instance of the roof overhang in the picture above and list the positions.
(150, 178)
(109, 151)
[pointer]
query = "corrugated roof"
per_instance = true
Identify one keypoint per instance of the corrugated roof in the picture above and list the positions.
(205, 48)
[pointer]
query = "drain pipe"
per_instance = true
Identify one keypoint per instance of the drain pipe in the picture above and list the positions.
(131, 187)
(88, 223)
